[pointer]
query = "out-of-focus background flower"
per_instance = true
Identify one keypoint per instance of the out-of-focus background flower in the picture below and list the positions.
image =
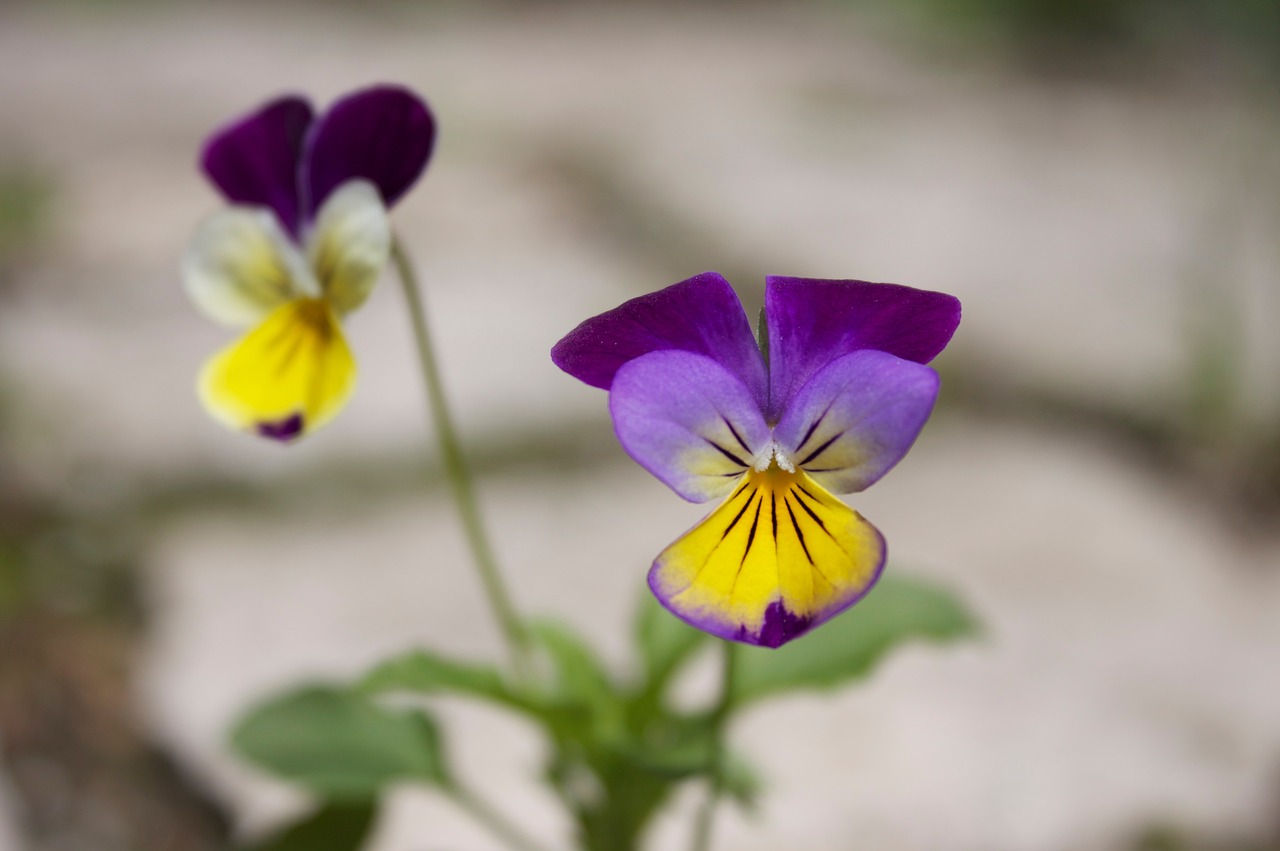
(1098, 181)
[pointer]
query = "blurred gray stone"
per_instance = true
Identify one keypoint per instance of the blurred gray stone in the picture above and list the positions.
(1070, 218)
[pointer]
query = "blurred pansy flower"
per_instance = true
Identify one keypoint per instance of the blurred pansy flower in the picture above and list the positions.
(302, 244)
(837, 402)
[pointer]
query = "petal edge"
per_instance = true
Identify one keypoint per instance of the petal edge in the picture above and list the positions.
(778, 558)
(813, 321)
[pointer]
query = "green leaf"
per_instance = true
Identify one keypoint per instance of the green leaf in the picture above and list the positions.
(584, 704)
(580, 675)
(665, 642)
(340, 744)
(680, 747)
(762, 335)
(333, 827)
(846, 649)
(741, 782)
(429, 673)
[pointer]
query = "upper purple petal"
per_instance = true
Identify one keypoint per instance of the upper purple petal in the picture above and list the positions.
(383, 134)
(700, 315)
(854, 420)
(254, 159)
(812, 322)
(689, 421)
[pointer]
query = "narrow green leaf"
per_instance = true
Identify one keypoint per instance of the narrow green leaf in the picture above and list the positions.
(333, 827)
(898, 610)
(664, 641)
(580, 675)
(762, 335)
(429, 673)
(742, 783)
(340, 744)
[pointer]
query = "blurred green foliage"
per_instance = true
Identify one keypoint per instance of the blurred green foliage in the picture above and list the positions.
(25, 196)
(1240, 33)
(618, 746)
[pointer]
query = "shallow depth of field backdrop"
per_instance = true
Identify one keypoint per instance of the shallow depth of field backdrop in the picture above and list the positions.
(1099, 182)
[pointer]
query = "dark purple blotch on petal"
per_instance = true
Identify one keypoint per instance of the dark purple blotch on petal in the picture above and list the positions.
(254, 159)
(383, 134)
(780, 626)
(285, 430)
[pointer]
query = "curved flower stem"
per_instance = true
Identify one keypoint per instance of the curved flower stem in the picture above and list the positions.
(497, 824)
(719, 717)
(456, 469)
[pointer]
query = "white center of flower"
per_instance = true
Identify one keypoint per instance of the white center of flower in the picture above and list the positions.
(773, 454)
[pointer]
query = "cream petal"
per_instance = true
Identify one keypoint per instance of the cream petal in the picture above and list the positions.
(241, 266)
(349, 244)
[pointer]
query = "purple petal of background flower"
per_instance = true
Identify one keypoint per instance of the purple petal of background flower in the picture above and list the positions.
(688, 421)
(856, 418)
(254, 159)
(383, 134)
(812, 322)
(701, 315)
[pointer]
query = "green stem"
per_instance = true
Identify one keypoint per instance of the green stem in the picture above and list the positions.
(496, 823)
(456, 469)
(719, 717)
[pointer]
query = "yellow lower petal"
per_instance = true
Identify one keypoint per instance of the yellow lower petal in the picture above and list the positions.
(289, 375)
(777, 558)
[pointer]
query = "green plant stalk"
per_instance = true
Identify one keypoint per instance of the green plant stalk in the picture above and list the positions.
(491, 819)
(457, 472)
(719, 718)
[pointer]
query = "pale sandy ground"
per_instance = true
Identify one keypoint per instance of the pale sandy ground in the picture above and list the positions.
(1129, 672)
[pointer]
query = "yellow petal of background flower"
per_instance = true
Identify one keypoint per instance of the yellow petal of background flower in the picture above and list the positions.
(241, 265)
(777, 558)
(286, 377)
(350, 243)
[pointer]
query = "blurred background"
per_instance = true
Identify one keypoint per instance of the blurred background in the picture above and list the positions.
(1097, 180)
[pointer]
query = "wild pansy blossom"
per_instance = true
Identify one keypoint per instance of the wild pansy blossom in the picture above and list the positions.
(302, 245)
(838, 400)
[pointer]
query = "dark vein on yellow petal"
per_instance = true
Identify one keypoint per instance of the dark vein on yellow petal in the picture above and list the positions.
(809, 511)
(751, 495)
(286, 357)
(734, 521)
(799, 534)
(773, 512)
(751, 537)
(822, 526)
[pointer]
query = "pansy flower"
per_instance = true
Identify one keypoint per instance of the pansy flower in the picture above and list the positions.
(302, 245)
(838, 400)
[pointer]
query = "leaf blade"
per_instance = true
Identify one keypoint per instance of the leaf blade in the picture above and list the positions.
(340, 744)
(333, 827)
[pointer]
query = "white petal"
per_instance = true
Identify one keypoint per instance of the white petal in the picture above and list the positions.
(241, 265)
(349, 244)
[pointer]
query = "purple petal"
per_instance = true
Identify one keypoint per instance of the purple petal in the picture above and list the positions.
(254, 159)
(687, 420)
(700, 315)
(856, 418)
(812, 322)
(383, 134)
